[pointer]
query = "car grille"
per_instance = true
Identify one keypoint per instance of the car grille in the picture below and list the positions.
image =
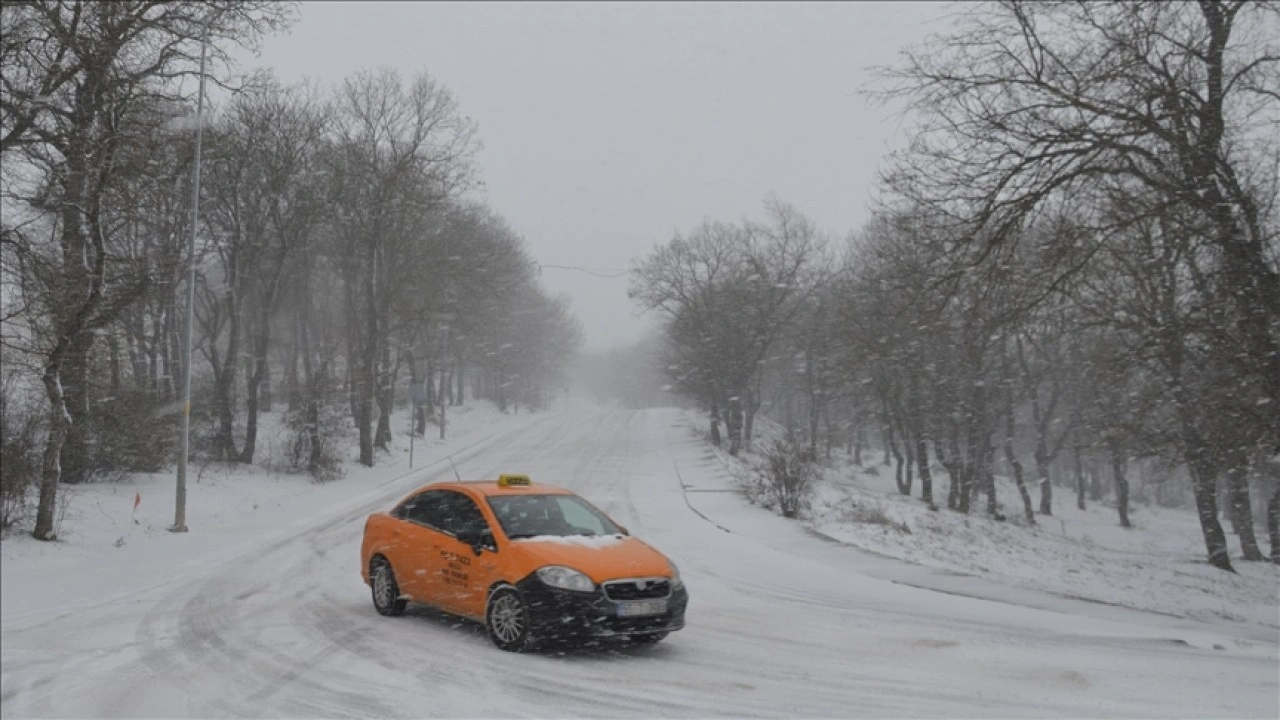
(638, 589)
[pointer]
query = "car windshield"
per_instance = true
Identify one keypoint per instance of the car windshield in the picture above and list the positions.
(526, 516)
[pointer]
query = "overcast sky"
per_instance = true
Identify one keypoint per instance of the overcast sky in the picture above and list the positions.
(608, 126)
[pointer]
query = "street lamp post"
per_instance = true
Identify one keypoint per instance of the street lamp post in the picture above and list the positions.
(180, 496)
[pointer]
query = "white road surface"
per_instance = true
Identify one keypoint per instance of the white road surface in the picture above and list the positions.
(781, 624)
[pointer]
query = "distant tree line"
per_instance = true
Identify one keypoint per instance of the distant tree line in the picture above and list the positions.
(340, 266)
(1073, 274)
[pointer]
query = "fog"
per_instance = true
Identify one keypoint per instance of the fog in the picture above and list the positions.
(966, 411)
(607, 126)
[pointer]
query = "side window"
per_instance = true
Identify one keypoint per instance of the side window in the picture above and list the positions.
(428, 509)
(582, 519)
(461, 514)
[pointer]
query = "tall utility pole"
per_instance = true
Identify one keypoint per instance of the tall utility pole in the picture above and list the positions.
(180, 497)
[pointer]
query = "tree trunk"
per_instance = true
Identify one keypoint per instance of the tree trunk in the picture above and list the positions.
(1046, 483)
(814, 417)
(367, 387)
(310, 394)
(860, 441)
(224, 385)
(385, 397)
(1012, 457)
(926, 477)
(417, 394)
(52, 470)
(1273, 523)
(1215, 540)
(886, 437)
(951, 463)
(458, 378)
(909, 457)
(1241, 509)
(734, 426)
(1079, 479)
(891, 445)
(1118, 463)
(364, 420)
(430, 387)
(261, 342)
(444, 404)
(113, 346)
(264, 388)
(75, 462)
(291, 381)
(989, 478)
(715, 425)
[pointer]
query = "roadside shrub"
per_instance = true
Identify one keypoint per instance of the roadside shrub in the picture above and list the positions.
(753, 485)
(19, 460)
(130, 433)
(788, 473)
(313, 447)
(871, 513)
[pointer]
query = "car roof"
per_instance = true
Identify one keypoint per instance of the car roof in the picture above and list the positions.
(490, 488)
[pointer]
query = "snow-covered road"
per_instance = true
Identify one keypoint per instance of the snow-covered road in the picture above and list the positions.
(780, 624)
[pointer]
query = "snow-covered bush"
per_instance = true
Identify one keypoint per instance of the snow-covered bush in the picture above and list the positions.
(788, 472)
(19, 462)
(313, 446)
(129, 433)
(869, 512)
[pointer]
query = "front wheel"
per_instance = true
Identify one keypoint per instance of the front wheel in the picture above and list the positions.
(386, 592)
(507, 620)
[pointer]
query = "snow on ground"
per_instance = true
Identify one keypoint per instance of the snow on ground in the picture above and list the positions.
(230, 508)
(1156, 566)
(782, 623)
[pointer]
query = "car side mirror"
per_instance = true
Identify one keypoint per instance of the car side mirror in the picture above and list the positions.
(624, 530)
(477, 539)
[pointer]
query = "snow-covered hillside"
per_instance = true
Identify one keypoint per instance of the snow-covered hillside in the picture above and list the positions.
(1157, 565)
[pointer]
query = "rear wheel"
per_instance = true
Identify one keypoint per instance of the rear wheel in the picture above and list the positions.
(507, 620)
(386, 593)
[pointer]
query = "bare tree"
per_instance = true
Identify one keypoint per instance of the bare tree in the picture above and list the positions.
(396, 151)
(1028, 102)
(64, 93)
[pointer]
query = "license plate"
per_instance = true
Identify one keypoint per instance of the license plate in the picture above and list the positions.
(633, 608)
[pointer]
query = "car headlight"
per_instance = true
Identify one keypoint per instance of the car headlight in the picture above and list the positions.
(676, 582)
(565, 578)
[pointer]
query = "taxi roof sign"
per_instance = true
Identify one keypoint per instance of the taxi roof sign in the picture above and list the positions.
(511, 480)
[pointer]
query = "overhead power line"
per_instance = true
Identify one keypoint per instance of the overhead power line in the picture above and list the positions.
(598, 272)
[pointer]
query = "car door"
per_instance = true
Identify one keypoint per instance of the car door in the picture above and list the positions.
(466, 576)
(418, 544)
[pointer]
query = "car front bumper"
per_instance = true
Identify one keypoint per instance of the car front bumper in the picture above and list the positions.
(565, 614)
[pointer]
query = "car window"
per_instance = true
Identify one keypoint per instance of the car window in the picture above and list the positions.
(561, 515)
(581, 518)
(428, 509)
(460, 513)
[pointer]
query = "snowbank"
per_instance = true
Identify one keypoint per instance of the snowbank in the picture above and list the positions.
(1155, 566)
(107, 549)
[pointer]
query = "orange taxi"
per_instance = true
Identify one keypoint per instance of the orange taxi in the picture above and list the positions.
(533, 563)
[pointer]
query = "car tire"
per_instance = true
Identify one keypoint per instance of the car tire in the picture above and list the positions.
(647, 638)
(386, 592)
(507, 620)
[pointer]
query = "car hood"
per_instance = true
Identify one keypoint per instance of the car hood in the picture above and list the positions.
(601, 558)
